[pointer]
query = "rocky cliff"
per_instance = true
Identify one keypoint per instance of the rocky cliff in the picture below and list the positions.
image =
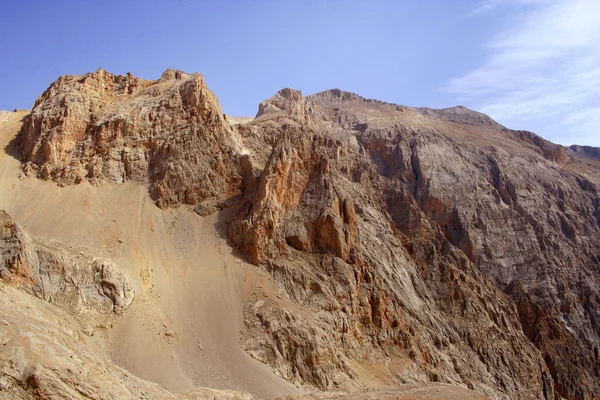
(169, 133)
(408, 244)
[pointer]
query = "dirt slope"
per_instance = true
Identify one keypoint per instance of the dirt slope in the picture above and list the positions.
(184, 327)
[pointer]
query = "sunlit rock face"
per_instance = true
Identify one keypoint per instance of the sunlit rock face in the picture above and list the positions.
(169, 133)
(408, 244)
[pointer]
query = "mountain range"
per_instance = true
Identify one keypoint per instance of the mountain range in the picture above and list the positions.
(331, 247)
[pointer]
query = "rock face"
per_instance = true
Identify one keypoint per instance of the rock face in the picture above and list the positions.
(588, 151)
(287, 100)
(549, 150)
(60, 274)
(169, 133)
(409, 245)
(423, 234)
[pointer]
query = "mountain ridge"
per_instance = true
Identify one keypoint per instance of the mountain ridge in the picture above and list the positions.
(403, 238)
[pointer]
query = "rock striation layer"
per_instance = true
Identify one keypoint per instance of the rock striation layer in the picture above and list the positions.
(409, 245)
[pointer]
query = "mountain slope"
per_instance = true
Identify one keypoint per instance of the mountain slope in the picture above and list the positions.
(395, 244)
(463, 193)
(182, 329)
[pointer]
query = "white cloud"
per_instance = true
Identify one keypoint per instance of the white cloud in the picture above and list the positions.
(490, 5)
(486, 6)
(542, 70)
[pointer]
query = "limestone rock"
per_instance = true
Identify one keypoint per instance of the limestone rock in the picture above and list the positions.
(549, 150)
(113, 283)
(169, 133)
(423, 209)
(286, 100)
(60, 274)
(409, 245)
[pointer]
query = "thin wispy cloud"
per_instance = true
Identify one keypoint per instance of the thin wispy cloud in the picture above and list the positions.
(486, 6)
(490, 5)
(542, 70)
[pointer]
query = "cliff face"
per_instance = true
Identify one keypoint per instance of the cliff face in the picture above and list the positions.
(169, 133)
(409, 245)
(432, 206)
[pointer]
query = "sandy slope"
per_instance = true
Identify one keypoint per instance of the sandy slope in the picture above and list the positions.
(183, 328)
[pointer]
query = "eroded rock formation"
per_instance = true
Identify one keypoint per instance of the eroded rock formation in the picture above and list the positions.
(59, 273)
(409, 245)
(446, 202)
(169, 133)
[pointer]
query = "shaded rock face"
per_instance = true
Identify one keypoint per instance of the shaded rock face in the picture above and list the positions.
(294, 204)
(169, 133)
(321, 218)
(60, 274)
(409, 245)
(551, 151)
(589, 151)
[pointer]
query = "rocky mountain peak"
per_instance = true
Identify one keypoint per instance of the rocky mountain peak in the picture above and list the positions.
(177, 74)
(286, 100)
(588, 151)
(460, 114)
(336, 96)
(102, 126)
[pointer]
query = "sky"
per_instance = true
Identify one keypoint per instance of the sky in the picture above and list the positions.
(529, 64)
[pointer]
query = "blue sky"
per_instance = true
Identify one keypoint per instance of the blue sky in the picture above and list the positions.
(530, 64)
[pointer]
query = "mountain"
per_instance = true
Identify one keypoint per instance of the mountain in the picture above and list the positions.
(346, 243)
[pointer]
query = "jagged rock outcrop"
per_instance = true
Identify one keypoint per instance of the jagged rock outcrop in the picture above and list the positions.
(318, 219)
(448, 210)
(169, 133)
(409, 244)
(61, 274)
(551, 151)
(294, 203)
(287, 100)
